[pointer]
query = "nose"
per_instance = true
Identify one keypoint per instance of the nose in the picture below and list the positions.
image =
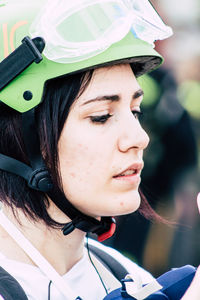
(132, 135)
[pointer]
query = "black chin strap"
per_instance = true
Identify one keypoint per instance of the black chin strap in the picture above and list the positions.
(36, 174)
(38, 178)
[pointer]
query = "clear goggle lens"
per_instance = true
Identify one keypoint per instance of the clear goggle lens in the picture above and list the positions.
(77, 30)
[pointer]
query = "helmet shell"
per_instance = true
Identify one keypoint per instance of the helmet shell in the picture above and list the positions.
(15, 21)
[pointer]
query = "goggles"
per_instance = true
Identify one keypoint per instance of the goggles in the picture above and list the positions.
(79, 29)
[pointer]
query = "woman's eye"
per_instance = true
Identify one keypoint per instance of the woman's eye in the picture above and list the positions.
(137, 114)
(100, 119)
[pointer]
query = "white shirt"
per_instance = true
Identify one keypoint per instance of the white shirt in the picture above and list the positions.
(82, 278)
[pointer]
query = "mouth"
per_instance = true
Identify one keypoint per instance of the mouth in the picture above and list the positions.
(127, 173)
(130, 175)
(132, 170)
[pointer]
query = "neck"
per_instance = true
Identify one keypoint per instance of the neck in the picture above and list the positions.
(62, 252)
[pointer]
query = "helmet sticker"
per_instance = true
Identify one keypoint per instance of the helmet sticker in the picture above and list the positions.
(9, 37)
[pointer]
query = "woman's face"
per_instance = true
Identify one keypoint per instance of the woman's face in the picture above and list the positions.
(101, 145)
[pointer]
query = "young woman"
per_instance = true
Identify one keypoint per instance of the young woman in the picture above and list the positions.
(71, 142)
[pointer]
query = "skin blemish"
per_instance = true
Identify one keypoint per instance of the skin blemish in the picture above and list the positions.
(72, 174)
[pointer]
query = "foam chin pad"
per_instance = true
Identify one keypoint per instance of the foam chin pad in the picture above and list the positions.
(174, 282)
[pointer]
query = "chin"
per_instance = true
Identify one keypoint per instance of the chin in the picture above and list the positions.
(113, 205)
(129, 209)
(126, 205)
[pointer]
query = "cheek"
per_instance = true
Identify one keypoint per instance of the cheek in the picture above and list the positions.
(81, 166)
(73, 159)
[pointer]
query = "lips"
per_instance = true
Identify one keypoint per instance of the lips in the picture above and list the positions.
(133, 169)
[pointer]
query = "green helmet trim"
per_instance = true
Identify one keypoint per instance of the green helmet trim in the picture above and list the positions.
(128, 50)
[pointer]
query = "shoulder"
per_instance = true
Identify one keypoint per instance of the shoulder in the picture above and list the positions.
(129, 265)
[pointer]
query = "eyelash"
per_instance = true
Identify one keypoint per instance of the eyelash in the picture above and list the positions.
(137, 114)
(102, 119)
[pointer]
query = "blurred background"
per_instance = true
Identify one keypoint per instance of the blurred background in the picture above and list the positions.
(171, 177)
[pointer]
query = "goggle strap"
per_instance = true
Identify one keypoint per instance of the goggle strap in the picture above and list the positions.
(21, 58)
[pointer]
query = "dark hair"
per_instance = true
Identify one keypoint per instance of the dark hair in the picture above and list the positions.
(51, 114)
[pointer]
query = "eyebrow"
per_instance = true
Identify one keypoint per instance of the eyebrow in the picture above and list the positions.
(113, 98)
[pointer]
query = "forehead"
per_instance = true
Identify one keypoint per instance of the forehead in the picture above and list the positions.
(111, 80)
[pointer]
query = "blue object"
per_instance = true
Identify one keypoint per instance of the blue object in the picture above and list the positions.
(175, 283)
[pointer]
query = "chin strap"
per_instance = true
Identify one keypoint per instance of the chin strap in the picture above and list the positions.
(104, 228)
(38, 178)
